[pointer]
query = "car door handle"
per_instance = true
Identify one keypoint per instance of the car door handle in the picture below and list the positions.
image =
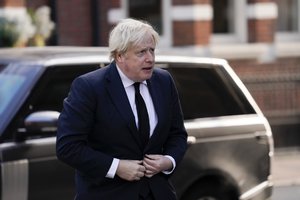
(261, 138)
(191, 140)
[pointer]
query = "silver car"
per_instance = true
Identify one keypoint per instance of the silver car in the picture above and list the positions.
(230, 141)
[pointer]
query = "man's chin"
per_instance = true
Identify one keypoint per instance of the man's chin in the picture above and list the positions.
(148, 75)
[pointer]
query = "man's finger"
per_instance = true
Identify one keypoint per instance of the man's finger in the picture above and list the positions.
(152, 156)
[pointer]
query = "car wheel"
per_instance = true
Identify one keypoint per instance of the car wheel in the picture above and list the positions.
(211, 190)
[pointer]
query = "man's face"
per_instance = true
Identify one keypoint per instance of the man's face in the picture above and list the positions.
(137, 62)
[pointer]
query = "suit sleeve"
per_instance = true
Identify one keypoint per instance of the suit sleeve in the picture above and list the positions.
(74, 125)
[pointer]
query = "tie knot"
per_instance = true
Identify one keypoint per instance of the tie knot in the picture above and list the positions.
(137, 86)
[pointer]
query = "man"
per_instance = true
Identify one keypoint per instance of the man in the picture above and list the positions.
(120, 148)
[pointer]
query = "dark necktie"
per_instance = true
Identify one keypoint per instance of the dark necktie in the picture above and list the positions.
(143, 118)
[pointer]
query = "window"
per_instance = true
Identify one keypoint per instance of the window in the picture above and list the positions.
(156, 12)
(149, 10)
(223, 17)
(287, 16)
(49, 92)
(229, 21)
(288, 23)
(207, 92)
(15, 83)
(10, 85)
(54, 86)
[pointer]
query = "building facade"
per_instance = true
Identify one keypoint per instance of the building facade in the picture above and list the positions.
(259, 38)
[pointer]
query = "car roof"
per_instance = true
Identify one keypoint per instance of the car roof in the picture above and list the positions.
(59, 55)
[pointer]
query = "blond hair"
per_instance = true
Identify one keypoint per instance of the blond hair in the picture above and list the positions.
(129, 33)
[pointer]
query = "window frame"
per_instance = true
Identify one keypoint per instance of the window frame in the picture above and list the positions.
(212, 79)
(32, 102)
(166, 36)
(289, 36)
(239, 35)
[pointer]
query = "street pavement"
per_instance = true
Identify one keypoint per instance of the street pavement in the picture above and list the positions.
(286, 167)
(286, 174)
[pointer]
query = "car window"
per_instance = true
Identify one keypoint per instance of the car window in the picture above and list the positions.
(206, 91)
(9, 85)
(54, 86)
(48, 93)
(15, 82)
(2, 66)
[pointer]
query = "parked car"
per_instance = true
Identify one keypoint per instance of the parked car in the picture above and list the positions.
(230, 141)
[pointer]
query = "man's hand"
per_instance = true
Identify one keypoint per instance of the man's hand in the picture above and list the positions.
(155, 164)
(131, 170)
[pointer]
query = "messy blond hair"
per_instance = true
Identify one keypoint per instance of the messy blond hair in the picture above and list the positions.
(129, 33)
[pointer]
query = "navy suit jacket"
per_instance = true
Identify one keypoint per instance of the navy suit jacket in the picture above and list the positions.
(97, 125)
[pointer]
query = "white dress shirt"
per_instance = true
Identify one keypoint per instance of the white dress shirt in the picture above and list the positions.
(129, 88)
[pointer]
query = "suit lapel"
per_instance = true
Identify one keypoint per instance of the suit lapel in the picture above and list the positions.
(119, 98)
(157, 98)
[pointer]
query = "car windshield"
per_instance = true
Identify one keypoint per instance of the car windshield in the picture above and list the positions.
(15, 82)
(10, 84)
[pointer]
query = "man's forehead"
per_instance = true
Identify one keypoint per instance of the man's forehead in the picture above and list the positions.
(144, 45)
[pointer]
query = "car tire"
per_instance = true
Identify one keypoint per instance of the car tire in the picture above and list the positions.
(211, 189)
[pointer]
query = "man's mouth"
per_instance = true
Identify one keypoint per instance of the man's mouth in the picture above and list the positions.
(147, 68)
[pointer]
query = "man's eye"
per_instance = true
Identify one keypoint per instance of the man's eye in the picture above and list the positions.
(140, 53)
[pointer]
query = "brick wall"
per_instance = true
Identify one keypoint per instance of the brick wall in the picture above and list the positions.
(275, 87)
(259, 1)
(74, 22)
(36, 3)
(104, 7)
(191, 32)
(80, 23)
(194, 29)
(12, 3)
(189, 2)
(261, 30)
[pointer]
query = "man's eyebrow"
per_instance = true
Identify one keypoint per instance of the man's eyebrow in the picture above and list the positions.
(145, 48)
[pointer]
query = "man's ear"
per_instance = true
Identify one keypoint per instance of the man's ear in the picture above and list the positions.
(119, 57)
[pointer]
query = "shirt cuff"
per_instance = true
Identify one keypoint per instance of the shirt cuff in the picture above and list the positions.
(173, 163)
(113, 168)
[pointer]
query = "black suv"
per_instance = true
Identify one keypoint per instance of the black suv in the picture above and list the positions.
(230, 141)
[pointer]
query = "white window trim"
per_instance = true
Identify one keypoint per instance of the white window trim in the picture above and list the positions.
(289, 36)
(166, 39)
(240, 23)
(265, 10)
(192, 12)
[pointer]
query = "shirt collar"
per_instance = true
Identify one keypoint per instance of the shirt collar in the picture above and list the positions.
(125, 80)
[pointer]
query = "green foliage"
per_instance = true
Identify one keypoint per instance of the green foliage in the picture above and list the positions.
(23, 27)
(8, 33)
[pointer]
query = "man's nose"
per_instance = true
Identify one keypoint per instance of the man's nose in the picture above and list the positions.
(150, 56)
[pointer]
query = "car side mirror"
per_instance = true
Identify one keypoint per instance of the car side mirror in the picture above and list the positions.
(41, 121)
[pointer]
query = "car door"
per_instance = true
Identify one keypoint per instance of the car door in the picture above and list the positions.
(30, 169)
(229, 152)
